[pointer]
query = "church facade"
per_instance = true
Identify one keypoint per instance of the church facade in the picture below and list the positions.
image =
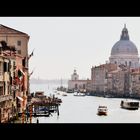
(76, 84)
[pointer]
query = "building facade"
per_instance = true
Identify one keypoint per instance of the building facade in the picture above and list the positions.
(76, 84)
(99, 76)
(14, 75)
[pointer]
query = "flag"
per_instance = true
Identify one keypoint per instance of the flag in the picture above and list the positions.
(20, 74)
(31, 73)
(21, 99)
(31, 55)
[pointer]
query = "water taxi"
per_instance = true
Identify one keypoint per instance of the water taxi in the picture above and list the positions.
(102, 110)
(131, 105)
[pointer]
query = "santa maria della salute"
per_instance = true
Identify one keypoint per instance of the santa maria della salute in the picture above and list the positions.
(119, 77)
(125, 51)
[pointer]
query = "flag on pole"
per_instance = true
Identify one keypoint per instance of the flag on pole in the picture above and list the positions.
(21, 99)
(31, 72)
(20, 74)
(31, 55)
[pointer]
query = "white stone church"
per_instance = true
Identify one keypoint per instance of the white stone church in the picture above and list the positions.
(125, 51)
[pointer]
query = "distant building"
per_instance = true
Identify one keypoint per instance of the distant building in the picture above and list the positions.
(75, 83)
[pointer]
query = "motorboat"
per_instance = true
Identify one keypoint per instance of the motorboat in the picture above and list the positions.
(64, 94)
(79, 94)
(69, 91)
(131, 105)
(102, 110)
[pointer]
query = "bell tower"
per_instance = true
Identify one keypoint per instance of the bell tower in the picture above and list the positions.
(74, 76)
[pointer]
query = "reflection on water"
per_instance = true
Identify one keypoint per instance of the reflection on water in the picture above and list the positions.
(83, 109)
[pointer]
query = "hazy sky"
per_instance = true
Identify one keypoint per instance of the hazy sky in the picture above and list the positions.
(64, 43)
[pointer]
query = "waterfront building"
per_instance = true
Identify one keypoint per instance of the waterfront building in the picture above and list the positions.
(118, 81)
(135, 82)
(76, 84)
(21, 78)
(14, 78)
(19, 40)
(99, 76)
(6, 96)
(15, 38)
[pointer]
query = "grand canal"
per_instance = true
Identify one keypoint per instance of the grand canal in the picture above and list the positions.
(84, 109)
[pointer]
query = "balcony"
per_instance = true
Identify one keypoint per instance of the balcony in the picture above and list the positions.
(5, 98)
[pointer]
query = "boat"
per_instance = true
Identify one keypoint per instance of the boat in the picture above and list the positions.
(43, 109)
(131, 105)
(58, 93)
(40, 94)
(64, 94)
(102, 110)
(79, 94)
(70, 91)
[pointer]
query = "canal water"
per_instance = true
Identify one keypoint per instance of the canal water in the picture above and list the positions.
(83, 109)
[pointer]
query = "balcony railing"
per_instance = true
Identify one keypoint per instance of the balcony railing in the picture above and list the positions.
(5, 98)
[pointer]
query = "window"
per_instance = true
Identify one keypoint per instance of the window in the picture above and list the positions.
(115, 62)
(126, 63)
(129, 63)
(0, 68)
(19, 51)
(19, 43)
(1, 90)
(14, 94)
(5, 67)
(24, 62)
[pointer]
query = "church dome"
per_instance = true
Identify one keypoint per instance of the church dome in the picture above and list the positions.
(124, 45)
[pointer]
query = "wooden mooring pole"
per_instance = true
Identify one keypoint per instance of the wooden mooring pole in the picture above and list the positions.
(31, 111)
(58, 110)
